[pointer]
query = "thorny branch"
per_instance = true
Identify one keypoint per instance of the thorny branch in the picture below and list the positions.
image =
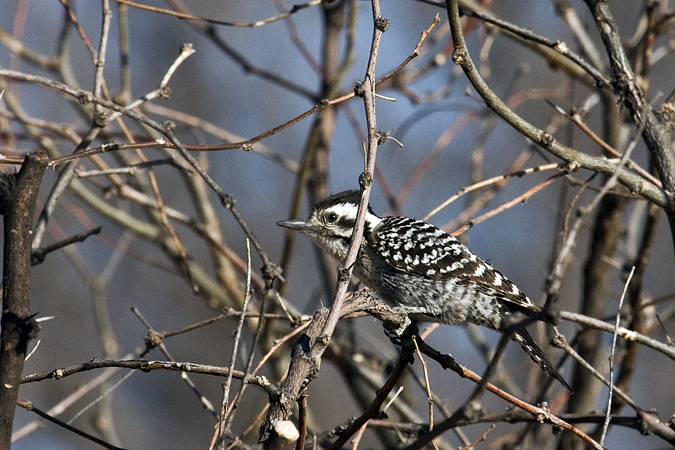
(18, 196)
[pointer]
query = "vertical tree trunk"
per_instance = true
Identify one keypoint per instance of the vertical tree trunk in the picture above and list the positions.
(17, 204)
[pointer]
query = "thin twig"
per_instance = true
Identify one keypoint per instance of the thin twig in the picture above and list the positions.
(162, 210)
(302, 420)
(29, 406)
(560, 342)
(520, 199)
(255, 24)
(148, 366)
(625, 333)
(357, 437)
(489, 181)
(430, 397)
(235, 347)
(480, 439)
(254, 342)
(132, 169)
(185, 51)
(278, 343)
(68, 401)
(577, 119)
(73, 19)
(103, 395)
(605, 426)
(37, 256)
(155, 339)
(528, 35)
(99, 60)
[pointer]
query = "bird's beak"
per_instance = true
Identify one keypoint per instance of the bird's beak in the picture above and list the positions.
(296, 224)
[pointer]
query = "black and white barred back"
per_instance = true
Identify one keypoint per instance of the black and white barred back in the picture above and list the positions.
(423, 270)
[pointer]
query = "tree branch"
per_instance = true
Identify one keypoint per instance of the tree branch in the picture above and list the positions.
(17, 204)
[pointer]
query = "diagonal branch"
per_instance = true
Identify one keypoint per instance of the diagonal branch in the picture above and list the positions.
(461, 57)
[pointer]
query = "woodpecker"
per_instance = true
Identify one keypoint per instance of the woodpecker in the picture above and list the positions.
(423, 271)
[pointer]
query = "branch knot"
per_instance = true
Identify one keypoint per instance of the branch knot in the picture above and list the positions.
(381, 24)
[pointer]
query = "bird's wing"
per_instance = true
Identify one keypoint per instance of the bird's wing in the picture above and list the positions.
(416, 247)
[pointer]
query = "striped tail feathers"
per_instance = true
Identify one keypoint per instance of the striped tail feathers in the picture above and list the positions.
(537, 354)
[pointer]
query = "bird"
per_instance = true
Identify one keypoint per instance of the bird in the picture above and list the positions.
(424, 271)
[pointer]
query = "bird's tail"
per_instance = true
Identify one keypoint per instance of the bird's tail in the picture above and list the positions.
(531, 348)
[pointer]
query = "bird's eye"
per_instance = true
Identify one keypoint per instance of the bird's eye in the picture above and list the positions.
(331, 217)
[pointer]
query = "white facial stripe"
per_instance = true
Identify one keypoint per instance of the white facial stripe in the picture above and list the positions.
(342, 210)
(347, 211)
